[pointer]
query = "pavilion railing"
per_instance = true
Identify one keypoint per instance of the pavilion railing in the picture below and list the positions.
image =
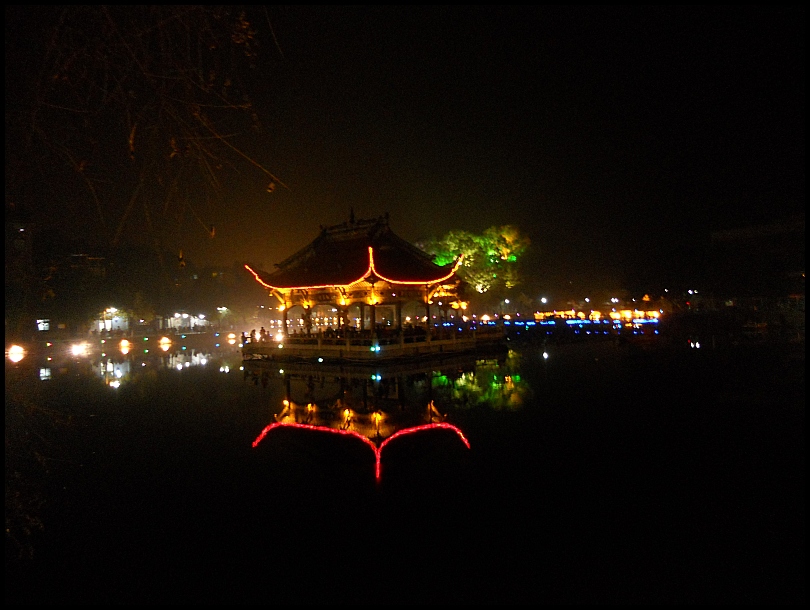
(373, 345)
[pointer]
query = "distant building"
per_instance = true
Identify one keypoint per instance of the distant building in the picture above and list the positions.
(759, 262)
(759, 271)
(19, 273)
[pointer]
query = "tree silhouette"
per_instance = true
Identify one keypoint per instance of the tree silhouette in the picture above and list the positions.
(133, 117)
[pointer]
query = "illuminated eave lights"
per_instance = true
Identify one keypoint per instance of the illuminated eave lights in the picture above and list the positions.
(372, 270)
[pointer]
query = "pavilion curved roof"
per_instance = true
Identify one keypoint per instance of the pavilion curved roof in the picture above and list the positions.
(352, 252)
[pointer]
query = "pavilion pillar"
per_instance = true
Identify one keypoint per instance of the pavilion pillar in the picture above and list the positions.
(398, 314)
(343, 317)
(362, 315)
(373, 307)
(284, 321)
(428, 324)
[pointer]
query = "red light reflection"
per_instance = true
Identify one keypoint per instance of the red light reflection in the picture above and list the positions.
(367, 441)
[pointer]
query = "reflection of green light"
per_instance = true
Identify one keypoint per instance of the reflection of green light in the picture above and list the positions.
(441, 380)
(516, 378)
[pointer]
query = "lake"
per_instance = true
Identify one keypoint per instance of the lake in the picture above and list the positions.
(603, 474)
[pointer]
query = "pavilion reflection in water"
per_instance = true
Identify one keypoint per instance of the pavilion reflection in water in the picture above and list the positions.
(377, 398)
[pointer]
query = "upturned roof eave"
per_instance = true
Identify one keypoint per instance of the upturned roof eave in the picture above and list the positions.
(372, 271)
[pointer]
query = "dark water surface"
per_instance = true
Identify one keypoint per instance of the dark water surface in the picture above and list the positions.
(626, 477)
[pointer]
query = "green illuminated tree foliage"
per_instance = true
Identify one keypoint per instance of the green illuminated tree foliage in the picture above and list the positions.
(490, 259)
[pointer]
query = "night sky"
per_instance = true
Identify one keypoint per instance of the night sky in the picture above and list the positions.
(613, 137)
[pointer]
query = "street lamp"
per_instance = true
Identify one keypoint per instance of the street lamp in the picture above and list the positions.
(223, 311)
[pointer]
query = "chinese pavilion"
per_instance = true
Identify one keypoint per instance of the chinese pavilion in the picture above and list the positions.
(360, 264)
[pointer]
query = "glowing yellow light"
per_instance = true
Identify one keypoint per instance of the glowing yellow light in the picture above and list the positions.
(16, 353)
(125, 346)
(79, 349)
